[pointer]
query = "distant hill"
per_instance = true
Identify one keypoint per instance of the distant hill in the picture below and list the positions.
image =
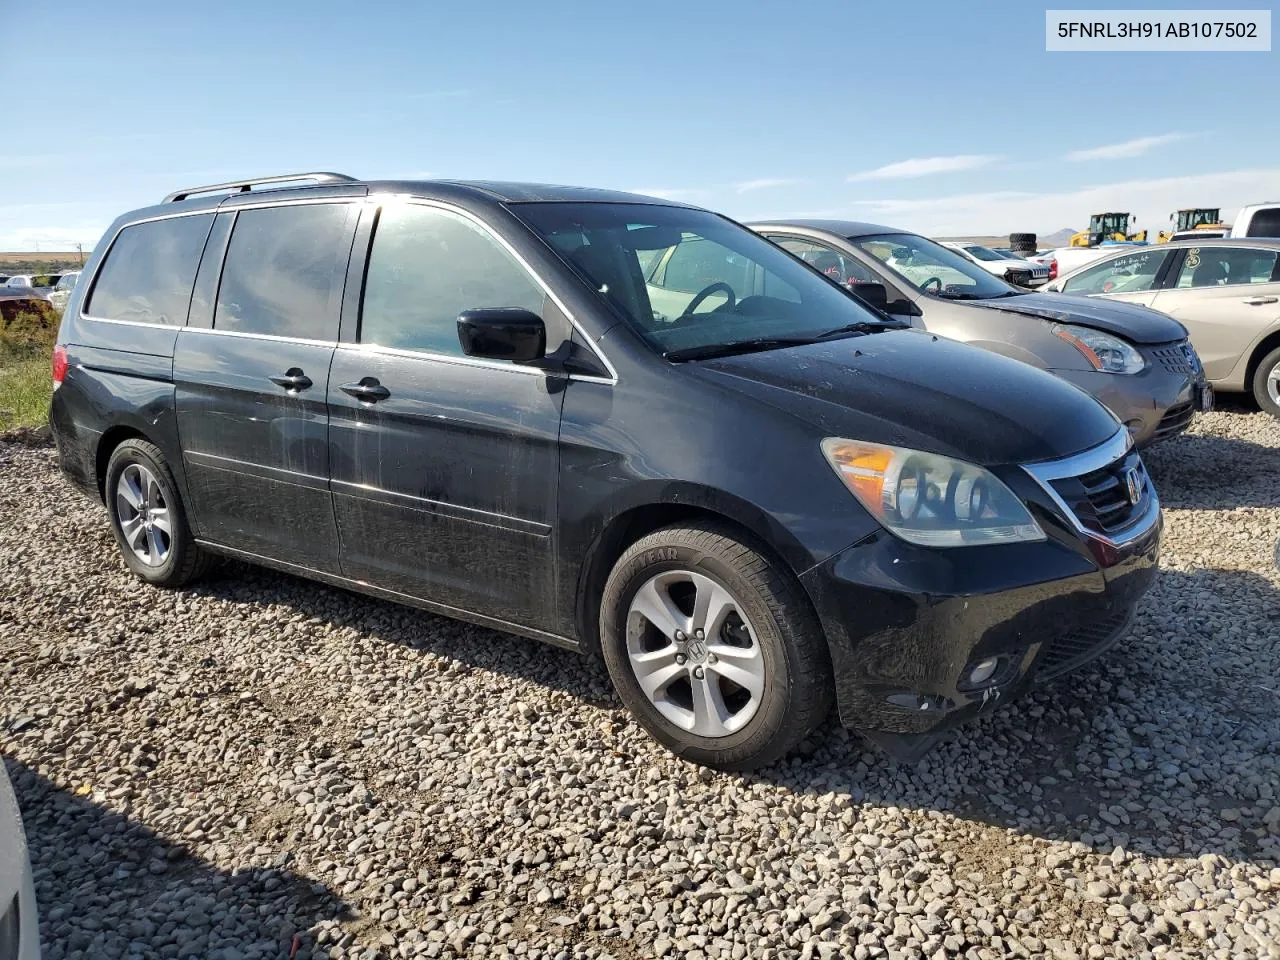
(1059, 239)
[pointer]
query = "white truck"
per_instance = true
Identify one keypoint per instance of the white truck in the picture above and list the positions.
(1257, 220)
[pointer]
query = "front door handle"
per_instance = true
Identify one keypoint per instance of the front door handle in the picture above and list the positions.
(368, 390)
(1259, 301)
(293, 380)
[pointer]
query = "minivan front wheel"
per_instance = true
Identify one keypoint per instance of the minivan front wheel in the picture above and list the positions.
(147, 516)
(714, 648)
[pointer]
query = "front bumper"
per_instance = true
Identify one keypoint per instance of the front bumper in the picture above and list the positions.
(1156, 404)
(906, 625)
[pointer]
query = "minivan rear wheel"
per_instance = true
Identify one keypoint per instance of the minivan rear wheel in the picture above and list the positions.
(714, 648)
(1266, 383)
(148, 518)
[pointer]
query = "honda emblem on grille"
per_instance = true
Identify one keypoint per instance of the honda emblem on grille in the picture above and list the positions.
(1133, 482)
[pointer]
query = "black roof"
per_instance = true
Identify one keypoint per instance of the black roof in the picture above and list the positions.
(842, 228)
(515, 192)
(248, 191)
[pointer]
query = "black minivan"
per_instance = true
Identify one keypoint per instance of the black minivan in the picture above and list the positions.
(746, 490)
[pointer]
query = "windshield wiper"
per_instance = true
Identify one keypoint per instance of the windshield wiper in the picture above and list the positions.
(950, 295)
(864, 326)
(754, 345)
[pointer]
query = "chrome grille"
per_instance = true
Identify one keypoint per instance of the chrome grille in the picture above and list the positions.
(1102, 499)
(1094, 489)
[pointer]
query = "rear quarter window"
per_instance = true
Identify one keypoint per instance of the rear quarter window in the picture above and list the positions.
(1265, 223)
(149, 271)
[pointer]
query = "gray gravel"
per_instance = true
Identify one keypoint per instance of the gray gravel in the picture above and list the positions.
(263, 765)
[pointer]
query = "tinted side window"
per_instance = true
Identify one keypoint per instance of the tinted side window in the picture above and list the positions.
(1222, 266)
(429, 265)
(284, 271)
(148, 272)
(1265, 223)
(1131, 273)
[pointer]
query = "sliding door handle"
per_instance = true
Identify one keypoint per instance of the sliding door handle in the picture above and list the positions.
(368, 390)
(293, 380)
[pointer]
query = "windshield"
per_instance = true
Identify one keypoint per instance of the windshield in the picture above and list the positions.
(68, 281)
(984, 253)
(932, 268)
(688, 279)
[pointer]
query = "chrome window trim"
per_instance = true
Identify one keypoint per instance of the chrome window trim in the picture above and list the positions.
(135, 323)
(1088, 461)
(380, 199)
(249, 335)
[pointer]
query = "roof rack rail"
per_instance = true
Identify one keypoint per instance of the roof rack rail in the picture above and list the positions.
(244, 186)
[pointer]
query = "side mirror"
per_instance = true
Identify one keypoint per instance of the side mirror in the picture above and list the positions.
(874, 294)
(502, 333)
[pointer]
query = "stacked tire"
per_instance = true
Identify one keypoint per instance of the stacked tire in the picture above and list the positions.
(1022, 243)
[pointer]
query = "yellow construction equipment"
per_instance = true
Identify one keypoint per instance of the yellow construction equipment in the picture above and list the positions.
(1194, 218)
(1107, 226)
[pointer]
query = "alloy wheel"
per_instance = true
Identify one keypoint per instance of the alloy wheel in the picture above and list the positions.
(1273, 384)
(144, 515)
(694, 653)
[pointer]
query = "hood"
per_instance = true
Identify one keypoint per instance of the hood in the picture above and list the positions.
(1134, 322)
(913, 389)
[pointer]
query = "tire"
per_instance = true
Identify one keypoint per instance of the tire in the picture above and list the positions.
(1022, 239)
(765, 635)
(139, 488)
(1266, 383)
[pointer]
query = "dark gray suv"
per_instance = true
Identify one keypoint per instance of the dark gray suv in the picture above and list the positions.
(748, 492)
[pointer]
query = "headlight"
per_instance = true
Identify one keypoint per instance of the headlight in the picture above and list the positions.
(931, 500)
(1103, 351)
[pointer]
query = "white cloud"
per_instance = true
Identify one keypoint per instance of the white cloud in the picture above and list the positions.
(996, 213)
(765, 183)
(1130, 148)
(926, 167)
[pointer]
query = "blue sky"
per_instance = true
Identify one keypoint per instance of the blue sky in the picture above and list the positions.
(941, 117)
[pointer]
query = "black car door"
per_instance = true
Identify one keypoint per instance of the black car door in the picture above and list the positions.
(444, 468)
(251, 372)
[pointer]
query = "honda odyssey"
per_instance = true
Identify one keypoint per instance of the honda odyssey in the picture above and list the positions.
(749, 493)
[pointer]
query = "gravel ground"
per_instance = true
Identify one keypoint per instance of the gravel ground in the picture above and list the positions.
(263, 767)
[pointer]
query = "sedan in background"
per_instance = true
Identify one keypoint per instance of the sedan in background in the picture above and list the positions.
(1007, 266)
(19, 931)
(62, 289)
(1225, 292)
(1138, 362)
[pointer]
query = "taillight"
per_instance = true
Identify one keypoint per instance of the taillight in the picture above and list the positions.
(1053, 269)
(59, 364)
